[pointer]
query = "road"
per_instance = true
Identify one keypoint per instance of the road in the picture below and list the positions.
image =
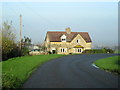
(73, 71)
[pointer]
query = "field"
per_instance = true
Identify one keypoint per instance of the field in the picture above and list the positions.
(111, 64)
(17, 70)
(117, 51)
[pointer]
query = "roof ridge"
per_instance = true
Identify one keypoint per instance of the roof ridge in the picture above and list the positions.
(65, 31)
(55, 35)
(55, 31)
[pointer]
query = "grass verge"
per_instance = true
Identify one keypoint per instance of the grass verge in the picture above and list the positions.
(111, 64)
(16, 70)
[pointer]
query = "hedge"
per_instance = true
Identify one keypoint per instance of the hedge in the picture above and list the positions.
(93, 51)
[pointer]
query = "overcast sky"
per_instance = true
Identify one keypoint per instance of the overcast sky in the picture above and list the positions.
(100, 19)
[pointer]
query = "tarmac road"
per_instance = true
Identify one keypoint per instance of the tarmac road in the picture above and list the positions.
(73, 71)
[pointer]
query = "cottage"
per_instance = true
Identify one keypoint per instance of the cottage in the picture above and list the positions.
(67, 42)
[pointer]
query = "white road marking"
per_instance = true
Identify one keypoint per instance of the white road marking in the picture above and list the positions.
(95, 66)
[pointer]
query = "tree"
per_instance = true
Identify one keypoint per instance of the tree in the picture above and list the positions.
(26, 43)
(8, 41)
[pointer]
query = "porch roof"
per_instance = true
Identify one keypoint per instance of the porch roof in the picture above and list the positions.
(78, 46)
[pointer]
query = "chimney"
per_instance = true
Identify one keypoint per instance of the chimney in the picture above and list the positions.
(68, 30)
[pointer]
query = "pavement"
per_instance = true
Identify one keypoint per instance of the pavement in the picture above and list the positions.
(73, 71)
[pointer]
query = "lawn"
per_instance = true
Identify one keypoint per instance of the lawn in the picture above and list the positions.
(117, 51)
(111, 64)
(17, 70)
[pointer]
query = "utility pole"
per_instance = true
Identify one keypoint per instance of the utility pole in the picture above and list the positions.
(20, 31)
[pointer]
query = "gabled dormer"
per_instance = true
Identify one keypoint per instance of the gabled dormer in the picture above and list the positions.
(63, 38)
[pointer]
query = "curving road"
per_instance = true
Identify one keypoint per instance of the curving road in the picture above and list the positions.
(74, 71)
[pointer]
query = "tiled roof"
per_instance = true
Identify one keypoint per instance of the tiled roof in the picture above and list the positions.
(54, 36)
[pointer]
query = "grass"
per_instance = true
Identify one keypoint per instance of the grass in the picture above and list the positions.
(17, 70)
(117, 51)
(0, 75)
(111, 64)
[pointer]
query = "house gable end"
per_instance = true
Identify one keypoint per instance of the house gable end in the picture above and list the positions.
(78, 36)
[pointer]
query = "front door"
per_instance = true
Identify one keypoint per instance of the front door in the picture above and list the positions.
(78, 50)
(53, 51)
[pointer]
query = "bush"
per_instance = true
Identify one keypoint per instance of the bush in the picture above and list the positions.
(95, 51)
(110, 51)
(49, 52)
(24, 51)
(15, 52)
(10, 82)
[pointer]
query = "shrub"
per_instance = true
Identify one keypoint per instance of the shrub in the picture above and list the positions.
(49, 52)
(95, 51)
(10, 82)
(110, 51)
(24, 51)
(15, 52)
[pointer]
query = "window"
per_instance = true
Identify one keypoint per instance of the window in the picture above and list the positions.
(63, 38)
(63, 49)
(78, 40)
(78, 50)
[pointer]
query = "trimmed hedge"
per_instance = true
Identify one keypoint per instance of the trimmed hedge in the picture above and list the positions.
(94, 51)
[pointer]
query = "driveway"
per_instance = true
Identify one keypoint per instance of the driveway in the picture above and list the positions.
(73, 71)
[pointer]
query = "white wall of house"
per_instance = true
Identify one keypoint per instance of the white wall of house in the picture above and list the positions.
(35, 47)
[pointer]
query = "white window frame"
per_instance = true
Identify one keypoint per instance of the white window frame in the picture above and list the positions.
(63, 50)
(78, 41)
(63, 38)
(78, 50)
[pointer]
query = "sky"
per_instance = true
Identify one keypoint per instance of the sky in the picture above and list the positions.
(99, 19)
(59, 0)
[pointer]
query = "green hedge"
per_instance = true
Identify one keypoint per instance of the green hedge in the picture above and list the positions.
(93, 51)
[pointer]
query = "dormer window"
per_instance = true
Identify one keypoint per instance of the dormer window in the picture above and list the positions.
(63, 38)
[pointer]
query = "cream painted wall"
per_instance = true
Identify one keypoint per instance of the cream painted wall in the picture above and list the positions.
(69, 46)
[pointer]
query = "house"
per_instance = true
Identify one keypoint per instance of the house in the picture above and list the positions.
(36, 47)
(67, 42)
